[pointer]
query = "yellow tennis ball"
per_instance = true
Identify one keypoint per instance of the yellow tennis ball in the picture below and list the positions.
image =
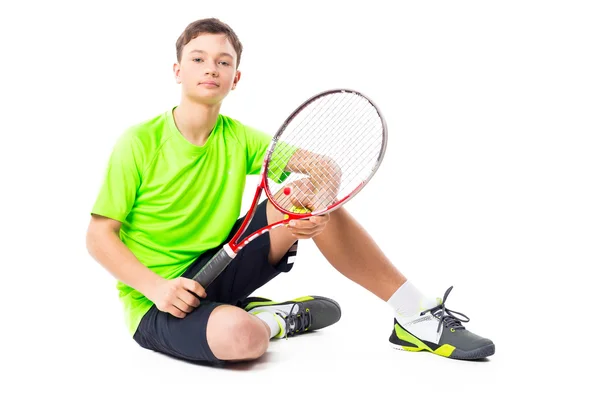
(300, 210)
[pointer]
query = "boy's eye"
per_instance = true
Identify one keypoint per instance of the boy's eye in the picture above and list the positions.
(197, 60)
(225, 63)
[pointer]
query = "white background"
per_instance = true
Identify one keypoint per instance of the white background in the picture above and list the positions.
(490, 184)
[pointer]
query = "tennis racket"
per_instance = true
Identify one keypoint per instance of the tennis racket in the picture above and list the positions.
(324, 153)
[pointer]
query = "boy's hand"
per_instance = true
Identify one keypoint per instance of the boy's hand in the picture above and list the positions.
(176, 296)
(308, 228)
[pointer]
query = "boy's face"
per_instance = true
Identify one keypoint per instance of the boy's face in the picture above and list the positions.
(207, 71)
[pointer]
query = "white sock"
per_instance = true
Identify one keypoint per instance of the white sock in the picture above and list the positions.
(274, 321)
(408, 301)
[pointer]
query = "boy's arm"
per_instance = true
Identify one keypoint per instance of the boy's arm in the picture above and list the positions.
(105, 246)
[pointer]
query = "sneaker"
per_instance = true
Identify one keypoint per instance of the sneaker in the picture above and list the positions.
(303, 314)
(440, 331)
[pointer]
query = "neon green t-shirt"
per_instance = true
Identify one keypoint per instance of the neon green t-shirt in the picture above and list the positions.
(176, 199)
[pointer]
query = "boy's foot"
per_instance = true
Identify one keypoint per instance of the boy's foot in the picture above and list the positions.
(303, 314)
(439, 331)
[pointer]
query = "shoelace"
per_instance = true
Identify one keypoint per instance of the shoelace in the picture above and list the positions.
(297, 320)
(447, 316)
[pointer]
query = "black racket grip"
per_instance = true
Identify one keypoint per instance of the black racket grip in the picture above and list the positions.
(213, 268)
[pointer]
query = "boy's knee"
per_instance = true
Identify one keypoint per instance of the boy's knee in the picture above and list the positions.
(235, 335)
(250, 338)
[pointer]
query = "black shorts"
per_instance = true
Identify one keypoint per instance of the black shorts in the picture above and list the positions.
(185, 338)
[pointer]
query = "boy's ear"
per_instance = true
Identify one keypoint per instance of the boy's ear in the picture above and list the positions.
(237, 78)
(176, 71)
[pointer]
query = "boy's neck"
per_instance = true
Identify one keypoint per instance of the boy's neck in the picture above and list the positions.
(196, 121)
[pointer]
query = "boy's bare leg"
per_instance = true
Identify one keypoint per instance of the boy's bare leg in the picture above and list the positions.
(353, 252)
(348, 248)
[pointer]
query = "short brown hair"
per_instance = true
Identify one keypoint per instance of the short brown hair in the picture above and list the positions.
(208, 25)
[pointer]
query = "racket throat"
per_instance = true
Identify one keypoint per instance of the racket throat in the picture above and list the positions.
(229, 250)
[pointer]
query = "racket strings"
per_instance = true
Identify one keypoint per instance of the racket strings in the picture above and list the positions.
(309, 117)
(326, 178)
(331, 122)
(302, 125)
(336, 127)
(354, 169)
(335, 133)
(312, 114)
(342, 134)
(367, 151)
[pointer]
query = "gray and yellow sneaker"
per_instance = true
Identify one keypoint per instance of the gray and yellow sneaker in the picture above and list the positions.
(440, 331)
(303, 314)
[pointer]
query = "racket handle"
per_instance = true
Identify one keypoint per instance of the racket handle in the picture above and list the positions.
(213, 268)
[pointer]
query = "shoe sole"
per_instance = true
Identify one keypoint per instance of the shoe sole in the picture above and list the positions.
(457, 354)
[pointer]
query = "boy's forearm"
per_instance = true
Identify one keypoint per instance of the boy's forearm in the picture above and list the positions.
(108, 250)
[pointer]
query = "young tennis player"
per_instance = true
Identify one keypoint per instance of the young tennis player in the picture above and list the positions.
(171, 198)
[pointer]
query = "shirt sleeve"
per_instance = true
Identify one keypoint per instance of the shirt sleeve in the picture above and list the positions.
(257, 144)
(122, 179)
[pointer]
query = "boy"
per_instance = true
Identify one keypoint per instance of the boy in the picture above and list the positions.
(170, 199)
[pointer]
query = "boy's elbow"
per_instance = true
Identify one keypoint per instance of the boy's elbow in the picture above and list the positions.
(90, 239)
(99, 228)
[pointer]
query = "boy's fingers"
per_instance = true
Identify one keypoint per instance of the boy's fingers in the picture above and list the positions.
(306, 229)
(309, 223)
(176, 312)
(302, 224)
(302, 202)
(305, 234)
(319, 219)
(194, 287)
(301, 235)
(188, 298)
(182, 305)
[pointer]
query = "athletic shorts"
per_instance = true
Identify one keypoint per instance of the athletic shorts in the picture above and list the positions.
(185, 338)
